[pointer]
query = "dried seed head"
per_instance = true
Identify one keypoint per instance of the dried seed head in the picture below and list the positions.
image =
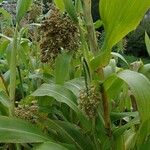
(8, 31)
(58, 32)
(28, 112)
(89, 101)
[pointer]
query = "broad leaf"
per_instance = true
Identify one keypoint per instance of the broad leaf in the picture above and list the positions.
(22, 8)
(119, 18)
(17, 131)
(58, 92)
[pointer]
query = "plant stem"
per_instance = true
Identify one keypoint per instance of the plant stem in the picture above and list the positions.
(106, 110)
(86, 4)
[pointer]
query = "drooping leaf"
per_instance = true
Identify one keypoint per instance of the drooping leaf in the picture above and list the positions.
(17, 131)
(22, 8)
(58, 92)
(50, 146)
(114, 54)
(140, 87)
(147, 42)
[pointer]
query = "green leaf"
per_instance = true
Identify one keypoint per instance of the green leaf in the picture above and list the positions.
(4, 99)
(50, 146)
(114, 54)
(63, 95)
(71, 134)
(18, 131)
(113, 86)
(3, 46)
(75, 85)
(147, 42)
(6, 14)
(140, 87)
(22, 8)
(129, 137)
(58, 92)
(143, 132)
(70, 8)
(120, 17)
(145, 70)
(120, 130)
(62, 67)
(98, 24)
(60, 4)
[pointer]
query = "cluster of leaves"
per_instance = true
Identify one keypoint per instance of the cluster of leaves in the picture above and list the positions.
(84, 100)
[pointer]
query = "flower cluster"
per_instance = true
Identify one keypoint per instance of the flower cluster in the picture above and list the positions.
(28, 112)
(89, 101)
(58, 32)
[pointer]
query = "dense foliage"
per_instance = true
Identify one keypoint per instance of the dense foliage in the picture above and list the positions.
(61, 88)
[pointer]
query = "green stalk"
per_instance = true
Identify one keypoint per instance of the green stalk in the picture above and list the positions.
(13, 62)
(86, 4)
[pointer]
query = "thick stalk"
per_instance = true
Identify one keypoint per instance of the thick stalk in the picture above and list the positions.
(106, 111)
(86, 4)
(13, 61)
